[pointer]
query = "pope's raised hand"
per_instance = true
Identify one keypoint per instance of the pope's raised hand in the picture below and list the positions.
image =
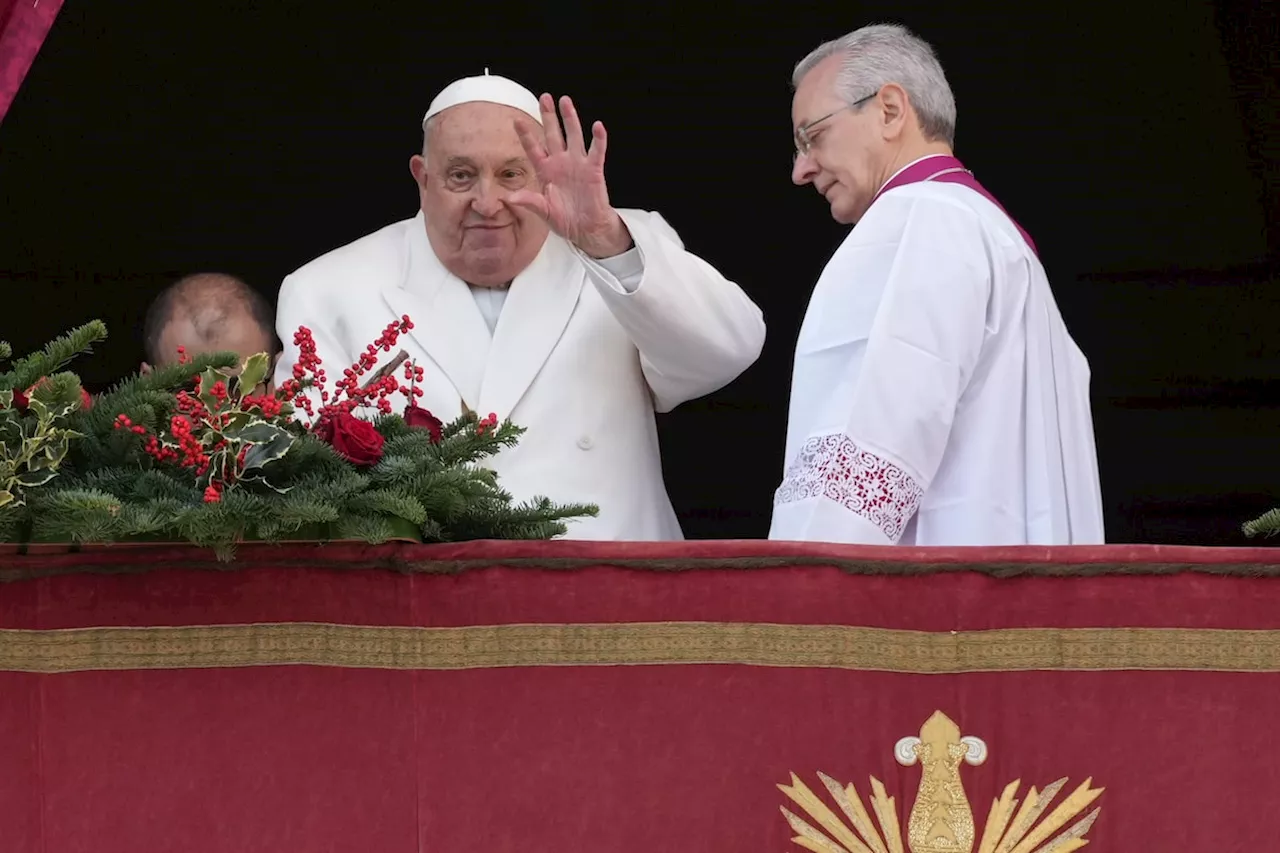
(573, 198)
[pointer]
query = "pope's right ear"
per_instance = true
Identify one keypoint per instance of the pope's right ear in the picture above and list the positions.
(418, 168)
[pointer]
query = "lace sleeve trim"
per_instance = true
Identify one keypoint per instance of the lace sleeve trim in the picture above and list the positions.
(835, 468)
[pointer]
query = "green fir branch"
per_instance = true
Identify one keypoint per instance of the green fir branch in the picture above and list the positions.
(13, 522)
(76, 515)
(1268, 524)
(373, 529)
(59, 352)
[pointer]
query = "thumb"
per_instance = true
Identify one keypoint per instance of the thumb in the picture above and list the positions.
(531, 201)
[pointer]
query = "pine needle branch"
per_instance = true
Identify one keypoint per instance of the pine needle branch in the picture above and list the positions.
(1268, 524)
(57, 354)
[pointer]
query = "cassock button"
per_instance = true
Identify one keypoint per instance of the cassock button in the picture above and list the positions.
(585, 442)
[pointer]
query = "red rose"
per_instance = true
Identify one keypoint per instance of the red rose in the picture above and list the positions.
(420, 418)
(359, 441)
(22, 399)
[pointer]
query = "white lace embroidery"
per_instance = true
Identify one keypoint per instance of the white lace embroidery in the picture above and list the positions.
(833, 467)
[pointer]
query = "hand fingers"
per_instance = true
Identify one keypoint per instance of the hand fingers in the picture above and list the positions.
(599, 142)
(532, 141)
(531, 201)
(551, 124)
(572, 126)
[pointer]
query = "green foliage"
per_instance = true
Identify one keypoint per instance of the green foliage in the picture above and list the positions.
(415, 491)
(26, 371)
(36, 402)
(1268, 524)
(125, 474)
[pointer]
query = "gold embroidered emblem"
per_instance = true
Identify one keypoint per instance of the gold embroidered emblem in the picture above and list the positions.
(940, 820)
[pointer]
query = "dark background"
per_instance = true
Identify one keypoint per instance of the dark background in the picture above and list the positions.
(155, 139)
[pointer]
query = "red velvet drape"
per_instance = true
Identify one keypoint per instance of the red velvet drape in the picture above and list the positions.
(24, 24)
(530, 697)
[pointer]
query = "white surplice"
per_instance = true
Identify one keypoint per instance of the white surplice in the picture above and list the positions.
(936, 397)
(579, 352)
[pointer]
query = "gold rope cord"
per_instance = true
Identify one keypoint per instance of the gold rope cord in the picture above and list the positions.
(650, 643)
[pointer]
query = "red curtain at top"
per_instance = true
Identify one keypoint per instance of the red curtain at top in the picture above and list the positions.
(24, 24)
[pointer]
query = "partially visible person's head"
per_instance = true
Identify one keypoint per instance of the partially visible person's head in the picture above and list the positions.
(865, 105)
(471, 162)
(206, 313)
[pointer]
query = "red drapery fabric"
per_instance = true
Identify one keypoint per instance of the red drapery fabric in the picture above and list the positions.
(24, 25)
(622, 698)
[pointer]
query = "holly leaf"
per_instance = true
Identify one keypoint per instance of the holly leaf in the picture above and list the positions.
(257, 476)
(259, 432)
(10, 430)
(236, 423)
(254, 371)
(208, 379)
(37, 407)
(55, 450)
(61, 410)
(35, 477)
(6, 398)
(218, 465)
(6, 497)
(269, 451)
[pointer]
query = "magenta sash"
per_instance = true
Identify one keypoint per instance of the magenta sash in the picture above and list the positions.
(947, 169)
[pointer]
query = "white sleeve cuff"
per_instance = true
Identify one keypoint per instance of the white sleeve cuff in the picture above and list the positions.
(624, 271)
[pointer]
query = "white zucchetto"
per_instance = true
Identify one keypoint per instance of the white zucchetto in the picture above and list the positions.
(489, 88)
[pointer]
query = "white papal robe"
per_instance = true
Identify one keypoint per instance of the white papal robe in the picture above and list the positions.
(580, 352)
(937, 398)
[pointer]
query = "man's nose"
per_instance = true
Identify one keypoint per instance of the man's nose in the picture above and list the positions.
(803, 170)
(488, 200)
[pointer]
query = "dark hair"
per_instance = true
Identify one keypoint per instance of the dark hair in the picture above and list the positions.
(208, 300)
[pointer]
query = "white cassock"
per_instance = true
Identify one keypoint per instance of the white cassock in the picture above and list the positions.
(579, 352)
(937, 398)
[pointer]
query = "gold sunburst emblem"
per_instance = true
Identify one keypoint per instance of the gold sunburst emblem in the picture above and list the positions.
(941, 820)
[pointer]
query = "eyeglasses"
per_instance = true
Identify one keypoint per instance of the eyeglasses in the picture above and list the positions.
(804, 142)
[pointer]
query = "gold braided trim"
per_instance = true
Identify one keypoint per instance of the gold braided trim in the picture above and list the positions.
(657, 643)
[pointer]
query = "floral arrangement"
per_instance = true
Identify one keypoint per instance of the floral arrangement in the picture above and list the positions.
(200, 452)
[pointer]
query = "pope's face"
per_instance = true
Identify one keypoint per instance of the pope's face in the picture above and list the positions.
(846, 154)
(474, 161)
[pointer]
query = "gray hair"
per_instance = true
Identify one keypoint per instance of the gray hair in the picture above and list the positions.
(889, 53)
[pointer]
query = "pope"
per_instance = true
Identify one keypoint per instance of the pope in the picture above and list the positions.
(534, 298)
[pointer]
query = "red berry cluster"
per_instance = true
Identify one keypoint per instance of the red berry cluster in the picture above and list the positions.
(193, 415)
(267, 404)
(349, 392)
(189, 453)
(414, 375)
(487, 423)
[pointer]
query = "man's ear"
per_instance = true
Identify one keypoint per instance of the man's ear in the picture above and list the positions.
(145, 369)
(418, 168)
(894, 109)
